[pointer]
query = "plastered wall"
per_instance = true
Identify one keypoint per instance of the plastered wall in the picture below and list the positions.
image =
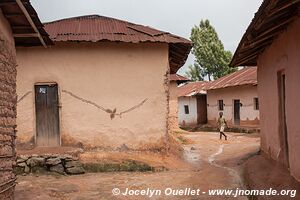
(131, 78)
(187, 119)
(173, 105)
(248, 115)
(283, 54)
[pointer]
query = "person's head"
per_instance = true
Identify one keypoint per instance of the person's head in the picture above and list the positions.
(221, 114)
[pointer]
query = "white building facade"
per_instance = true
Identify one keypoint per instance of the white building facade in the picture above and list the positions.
(240, 105)
(236, 96)
(192, 104)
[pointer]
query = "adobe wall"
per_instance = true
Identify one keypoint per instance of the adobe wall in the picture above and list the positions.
(125, 77)
(173, 105)
(249, 116)
(7, 109)
(283, 54)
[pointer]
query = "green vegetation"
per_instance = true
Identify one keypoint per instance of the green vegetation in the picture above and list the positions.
(128, 166)
(212, 60)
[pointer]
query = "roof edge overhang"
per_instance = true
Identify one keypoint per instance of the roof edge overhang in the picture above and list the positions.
(26, 26)
(233, 86)
(270, 21)
(178, 54)
(63, 30)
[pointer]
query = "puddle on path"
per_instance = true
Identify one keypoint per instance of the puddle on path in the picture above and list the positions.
(231, 171)
(192, 155)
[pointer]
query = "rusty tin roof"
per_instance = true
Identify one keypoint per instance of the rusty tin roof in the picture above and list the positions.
(246, 76)
(95, 28)
(193, 88)
(177, 77)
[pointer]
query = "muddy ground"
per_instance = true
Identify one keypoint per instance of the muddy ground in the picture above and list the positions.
(208, 164)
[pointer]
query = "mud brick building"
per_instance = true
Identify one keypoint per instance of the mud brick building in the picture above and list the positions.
(272, 43)
(192, 104)
(236, 96)
(175, 81)
(104, 84)
(19, 26)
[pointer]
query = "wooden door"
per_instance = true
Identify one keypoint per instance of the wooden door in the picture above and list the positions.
(47, 115)
(201, 109)
(236, 111)
(283, 134)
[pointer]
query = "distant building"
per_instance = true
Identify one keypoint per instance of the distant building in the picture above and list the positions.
(236, 96)
(103, 84)
(175, 81)
(272, 42)
(19, 26)
(192, 109)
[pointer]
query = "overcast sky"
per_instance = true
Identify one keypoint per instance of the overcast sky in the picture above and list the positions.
(229, 17)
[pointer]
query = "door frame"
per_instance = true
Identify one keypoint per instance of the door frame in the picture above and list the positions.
(34, 109)
(282, 125)
(204, 97)
(233, 109)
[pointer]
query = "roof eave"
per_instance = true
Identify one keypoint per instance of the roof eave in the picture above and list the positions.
(262, 30)
(26, 27)
(232, 86)
(178, 54)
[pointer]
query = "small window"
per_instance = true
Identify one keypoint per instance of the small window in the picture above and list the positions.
(186, 109)
(256, 104)
(221, 104)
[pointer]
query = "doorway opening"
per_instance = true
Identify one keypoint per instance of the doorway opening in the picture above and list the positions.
(236, 112)
(283, 135)
(47, 115)
(201, 109)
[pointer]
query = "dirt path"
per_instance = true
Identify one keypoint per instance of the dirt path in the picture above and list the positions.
(214, 165)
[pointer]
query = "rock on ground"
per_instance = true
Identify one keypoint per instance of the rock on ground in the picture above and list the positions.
(58, 169)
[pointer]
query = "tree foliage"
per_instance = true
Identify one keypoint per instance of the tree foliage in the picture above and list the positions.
(212, 60)
(194, 73)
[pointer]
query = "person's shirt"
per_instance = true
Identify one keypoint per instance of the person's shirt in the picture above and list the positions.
(222, 121)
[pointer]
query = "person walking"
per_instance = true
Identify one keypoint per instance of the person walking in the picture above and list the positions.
(222, 125)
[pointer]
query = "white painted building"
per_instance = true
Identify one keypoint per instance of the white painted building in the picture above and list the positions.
(192, 108)
(236, 96)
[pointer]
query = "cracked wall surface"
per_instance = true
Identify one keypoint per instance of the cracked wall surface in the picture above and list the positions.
(7, 109)
(173, 105)
(110, 94)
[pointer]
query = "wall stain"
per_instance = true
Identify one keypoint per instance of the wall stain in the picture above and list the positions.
(112, 112)
(23, 97)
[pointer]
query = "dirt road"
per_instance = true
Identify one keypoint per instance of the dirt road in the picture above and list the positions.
(215, 165)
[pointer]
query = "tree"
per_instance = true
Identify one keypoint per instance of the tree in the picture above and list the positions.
(194, 73)
(212, 60)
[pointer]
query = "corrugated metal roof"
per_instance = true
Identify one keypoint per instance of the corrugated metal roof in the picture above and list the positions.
(246, 76)
(193, 88)
(94, 28)
(177, 77)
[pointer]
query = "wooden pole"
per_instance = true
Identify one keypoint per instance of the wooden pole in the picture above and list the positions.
(20, 4)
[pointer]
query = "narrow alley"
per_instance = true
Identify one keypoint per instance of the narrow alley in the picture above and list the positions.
(214, 164)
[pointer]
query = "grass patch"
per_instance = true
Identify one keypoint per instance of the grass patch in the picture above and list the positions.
(125, 166)
(178, 131)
